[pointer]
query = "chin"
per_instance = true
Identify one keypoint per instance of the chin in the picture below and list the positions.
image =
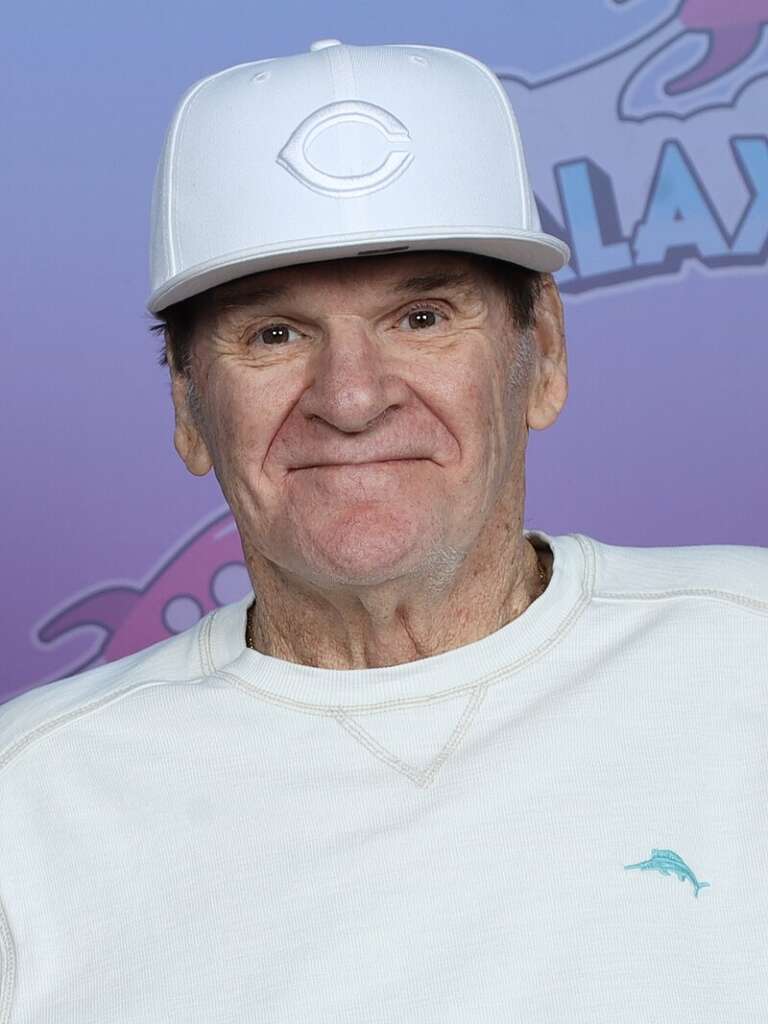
(370, 549)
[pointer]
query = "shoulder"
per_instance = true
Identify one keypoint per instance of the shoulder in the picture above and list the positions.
(730, 572)
(41, 710)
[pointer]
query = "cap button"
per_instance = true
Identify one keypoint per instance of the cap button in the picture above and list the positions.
(322, 44)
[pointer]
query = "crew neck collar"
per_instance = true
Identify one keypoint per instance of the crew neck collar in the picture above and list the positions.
(504, 651)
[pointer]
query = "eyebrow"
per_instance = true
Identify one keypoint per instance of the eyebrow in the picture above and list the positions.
(252, 295)
(421, 283)
(238, 294)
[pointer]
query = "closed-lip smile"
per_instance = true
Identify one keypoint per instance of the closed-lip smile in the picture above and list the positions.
(365, 462)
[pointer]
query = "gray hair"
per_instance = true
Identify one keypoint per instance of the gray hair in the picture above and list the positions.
(195, 402)
(521, 366)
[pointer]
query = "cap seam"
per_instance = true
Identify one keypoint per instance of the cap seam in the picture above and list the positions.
(178, 131)
(513, 129)
(174, 141)
(342, 72)
(502, 99)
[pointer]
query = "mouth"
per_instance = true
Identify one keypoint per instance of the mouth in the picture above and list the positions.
(347, 465)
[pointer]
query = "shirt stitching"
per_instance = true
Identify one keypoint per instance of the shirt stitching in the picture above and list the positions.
(51, 725)
(8, 976)
(748, 603)
(422, 777)
(328, 710)
(46, 728)
(204, 646)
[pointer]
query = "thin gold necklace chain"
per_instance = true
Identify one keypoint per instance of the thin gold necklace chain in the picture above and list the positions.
(543, 578)
(248, 635)
(542, 572)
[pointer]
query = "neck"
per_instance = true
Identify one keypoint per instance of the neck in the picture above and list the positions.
(395, 622)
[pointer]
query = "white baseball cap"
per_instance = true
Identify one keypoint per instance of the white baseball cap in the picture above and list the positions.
(339, 152)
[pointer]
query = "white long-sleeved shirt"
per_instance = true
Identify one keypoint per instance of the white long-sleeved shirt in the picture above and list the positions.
(564, 821)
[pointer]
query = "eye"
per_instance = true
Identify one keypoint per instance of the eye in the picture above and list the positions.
(274, 334)
(421, 319)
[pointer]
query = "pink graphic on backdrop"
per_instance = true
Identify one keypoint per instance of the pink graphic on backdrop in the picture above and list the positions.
(734, 32)
(202, 572)
(730, 34)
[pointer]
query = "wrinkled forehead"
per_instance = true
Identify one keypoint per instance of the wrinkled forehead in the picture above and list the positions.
(387, 276)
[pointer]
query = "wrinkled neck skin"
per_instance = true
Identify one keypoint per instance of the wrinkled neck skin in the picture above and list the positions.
(459, 598)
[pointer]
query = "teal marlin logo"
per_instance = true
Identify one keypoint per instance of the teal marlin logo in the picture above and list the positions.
(668, 862)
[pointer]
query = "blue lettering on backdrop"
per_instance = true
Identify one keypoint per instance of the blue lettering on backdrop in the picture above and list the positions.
(591, 217)
(751, 237)
(679, 221)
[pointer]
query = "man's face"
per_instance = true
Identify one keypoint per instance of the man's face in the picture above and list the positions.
(366, 418)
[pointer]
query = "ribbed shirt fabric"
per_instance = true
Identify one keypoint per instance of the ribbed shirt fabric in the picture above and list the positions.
(202, 833)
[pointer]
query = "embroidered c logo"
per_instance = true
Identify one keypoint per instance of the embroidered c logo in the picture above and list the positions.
(293, 156)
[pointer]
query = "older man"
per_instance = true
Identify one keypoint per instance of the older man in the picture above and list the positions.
(439, 768)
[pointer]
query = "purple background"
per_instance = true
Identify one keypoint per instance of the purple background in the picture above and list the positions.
(662, 439)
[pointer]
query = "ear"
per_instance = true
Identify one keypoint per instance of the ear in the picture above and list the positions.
(549, 387)
(187, 438)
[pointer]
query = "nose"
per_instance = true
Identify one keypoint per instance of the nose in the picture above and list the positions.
(351, 383)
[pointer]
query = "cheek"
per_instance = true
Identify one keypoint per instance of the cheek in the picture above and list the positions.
(495, 413)
(483, 403)
(242, 421)
(468, 406)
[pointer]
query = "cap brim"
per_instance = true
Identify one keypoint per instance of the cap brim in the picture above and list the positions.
(534, 250)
